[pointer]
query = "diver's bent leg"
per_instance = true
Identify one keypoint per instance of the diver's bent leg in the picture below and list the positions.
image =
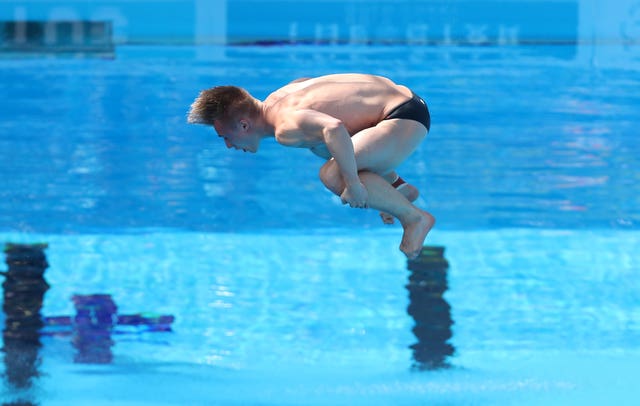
(383, 197)
(416, 222)
(408, 191)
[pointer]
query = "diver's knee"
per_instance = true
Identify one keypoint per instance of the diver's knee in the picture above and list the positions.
(330, 177)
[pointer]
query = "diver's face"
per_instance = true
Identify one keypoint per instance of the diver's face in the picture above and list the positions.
(238, 135)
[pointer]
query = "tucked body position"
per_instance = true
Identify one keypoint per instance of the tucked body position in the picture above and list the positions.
(365, 126)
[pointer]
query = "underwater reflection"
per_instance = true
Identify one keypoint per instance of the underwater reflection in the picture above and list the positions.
(90, 329)
(23, 292)
(430, 311)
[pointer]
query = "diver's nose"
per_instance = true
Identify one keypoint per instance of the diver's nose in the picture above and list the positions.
(228, 144)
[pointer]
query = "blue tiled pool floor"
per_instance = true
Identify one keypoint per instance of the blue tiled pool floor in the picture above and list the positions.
(538, 317)
(538, 378)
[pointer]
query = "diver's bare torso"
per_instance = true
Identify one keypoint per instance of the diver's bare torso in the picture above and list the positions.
(359, 101)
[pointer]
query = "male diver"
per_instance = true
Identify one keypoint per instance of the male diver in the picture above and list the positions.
(363, 125)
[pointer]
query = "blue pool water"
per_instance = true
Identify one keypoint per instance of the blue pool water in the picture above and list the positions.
(281, 295)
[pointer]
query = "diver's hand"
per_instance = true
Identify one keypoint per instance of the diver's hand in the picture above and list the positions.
(355, 195)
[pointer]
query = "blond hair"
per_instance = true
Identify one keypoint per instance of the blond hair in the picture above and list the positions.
(221, 103)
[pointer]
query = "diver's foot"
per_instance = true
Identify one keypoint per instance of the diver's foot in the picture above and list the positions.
(415, 231)
(410, 192)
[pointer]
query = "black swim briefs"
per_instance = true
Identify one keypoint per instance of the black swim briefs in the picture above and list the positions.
(413, 109)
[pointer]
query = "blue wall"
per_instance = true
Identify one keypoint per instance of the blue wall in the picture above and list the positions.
(186, 21)
(402, 21)
(132, 21)
(444, 22)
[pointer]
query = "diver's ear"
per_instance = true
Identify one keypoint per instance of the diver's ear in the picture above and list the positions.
(244, 124)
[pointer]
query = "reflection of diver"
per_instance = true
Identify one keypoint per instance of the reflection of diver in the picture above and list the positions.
(23, 291)
(431, 313)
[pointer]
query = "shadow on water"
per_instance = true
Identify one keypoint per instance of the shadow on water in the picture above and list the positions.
(430, 311)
